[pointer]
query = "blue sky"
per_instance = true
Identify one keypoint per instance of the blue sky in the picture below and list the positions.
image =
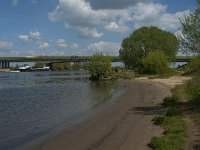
(81, 27)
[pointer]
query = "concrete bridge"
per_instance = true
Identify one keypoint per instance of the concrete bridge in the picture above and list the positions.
(5, 61)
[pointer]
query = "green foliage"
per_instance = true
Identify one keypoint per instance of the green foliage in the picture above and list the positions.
(61, 66)
(38, 65)
(155, 62)
(123, 74)
(171, 101)
(193, 90)
(175, 135)
(173, 111)
(189, 38)
(145, 40)
(76, 66)
(158, 120)
(194, 65)
(100, 67)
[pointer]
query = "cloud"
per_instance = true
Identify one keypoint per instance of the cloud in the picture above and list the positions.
(74, 46)
(32, 36)
(61, 43)
(108, 48)
(78, 15)
(87, 32)
(89, 18)
(5, 46)
(114, 4)
(14, 2)
(44, 45)
(114, 27)
(24, 38)
(154, 14)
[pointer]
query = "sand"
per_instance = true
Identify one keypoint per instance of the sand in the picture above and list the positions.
(124, 125)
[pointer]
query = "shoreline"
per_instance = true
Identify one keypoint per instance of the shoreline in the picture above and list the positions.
(126, 124)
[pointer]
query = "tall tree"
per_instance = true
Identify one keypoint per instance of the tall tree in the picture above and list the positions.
(145, 40)
(190, 35)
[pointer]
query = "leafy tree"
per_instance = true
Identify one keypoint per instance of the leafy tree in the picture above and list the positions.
(155, 63)
(190, 34)
(100, 67)
(144, 40)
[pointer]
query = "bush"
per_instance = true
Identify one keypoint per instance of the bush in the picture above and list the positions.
(193, 90)
(173, 111)
(155, 63)
(194, 65)
(158, 120)
(171, 101)
(100, 67)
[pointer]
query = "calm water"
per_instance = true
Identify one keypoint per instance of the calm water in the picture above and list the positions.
(32, 104)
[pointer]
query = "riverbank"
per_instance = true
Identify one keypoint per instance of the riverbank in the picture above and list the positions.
(124, 125)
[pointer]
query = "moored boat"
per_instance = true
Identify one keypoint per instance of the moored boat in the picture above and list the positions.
(27, 68)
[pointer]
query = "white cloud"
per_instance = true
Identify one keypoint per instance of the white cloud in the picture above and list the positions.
(108, 48)
(114, 27)
(74, 46)
(61, 43)
(4, 45)
(87, 32)
(32, 36)
(154, 14)
(14, 2)
(24, 38)
(80, 16)
(44, 45)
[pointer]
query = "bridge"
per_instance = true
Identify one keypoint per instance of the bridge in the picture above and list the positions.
(5, 61)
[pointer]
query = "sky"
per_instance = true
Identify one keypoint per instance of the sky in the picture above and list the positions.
(81, 27)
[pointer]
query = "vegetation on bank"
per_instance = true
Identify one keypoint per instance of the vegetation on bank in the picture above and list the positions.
(100, 67)
(174, 136)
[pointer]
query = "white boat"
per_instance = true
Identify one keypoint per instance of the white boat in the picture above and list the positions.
(27, 68)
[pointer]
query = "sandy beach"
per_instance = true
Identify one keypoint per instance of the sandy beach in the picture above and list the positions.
(124, 125)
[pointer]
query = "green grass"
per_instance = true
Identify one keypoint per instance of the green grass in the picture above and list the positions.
(174, 134)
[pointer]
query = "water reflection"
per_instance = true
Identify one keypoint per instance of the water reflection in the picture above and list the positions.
(101, 91)
(32, 103)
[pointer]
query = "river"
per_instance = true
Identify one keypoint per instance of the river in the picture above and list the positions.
(34, 104)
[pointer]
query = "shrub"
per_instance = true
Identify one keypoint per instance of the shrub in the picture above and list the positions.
(193, 90)
(100, 67)
(194, 65)
(173, 111)
(155, 63)
(171, 101)
(158, 120)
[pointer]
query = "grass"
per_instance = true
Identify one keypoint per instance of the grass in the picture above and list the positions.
(174, 134)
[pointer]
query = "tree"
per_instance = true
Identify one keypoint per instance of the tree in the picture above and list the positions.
(190, 34)
(145, 40)
(155, 63)
(99, 67)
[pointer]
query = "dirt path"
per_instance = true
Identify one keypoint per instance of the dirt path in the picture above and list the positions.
(126, 125)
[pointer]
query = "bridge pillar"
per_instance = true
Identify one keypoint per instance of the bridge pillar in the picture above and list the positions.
(4, 64)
